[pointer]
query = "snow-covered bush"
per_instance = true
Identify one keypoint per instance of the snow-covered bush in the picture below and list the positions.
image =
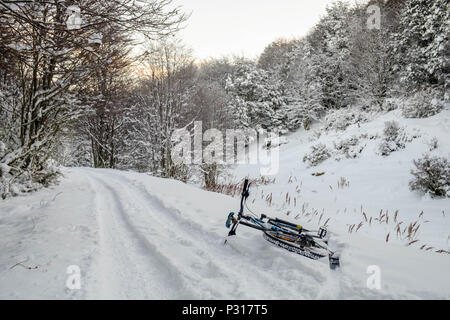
(433, 144)
(48, 175)
(350, 148)
(13, 183)
(394, 138)
(342, 118)
(422, 105)
(431, 175)
(389, 104)
(318, 154)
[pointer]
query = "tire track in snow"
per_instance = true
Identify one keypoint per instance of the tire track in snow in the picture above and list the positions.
(144, 212)
(320, 282)
(249, 270)
(208, 269)
(143, 273)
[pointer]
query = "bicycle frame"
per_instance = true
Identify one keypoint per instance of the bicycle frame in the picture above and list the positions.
(287, 232)
(265, 223)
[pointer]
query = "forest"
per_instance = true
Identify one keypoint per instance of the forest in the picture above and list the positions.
(105, 84)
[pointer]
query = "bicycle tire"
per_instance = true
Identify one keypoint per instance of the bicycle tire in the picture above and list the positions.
(287, 242)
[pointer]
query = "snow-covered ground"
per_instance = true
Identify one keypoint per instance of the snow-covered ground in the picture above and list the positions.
(134, 236)
(374, 186)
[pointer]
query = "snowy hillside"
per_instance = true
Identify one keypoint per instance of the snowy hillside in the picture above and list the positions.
(349, 191)
(136, 236)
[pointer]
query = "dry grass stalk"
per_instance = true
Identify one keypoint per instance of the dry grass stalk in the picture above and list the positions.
(412, 242)
(365, 217)
(359, 226)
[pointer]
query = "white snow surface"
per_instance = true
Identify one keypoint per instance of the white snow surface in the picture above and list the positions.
(135, 236)
(138, 237)
(375, 183)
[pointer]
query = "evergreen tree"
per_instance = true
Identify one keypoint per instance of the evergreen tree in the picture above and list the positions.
(420, 43)
(257, 101)
(330, 43)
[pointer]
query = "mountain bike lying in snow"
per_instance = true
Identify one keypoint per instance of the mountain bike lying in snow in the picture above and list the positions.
(284, 234)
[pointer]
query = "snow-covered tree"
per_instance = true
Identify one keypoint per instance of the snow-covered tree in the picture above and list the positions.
(52, 48)
(330, 43)
(278, 59)
(161, 104)
(420, 43)
(257, 101)
(107, 93)
(370, 63)
(304, 91)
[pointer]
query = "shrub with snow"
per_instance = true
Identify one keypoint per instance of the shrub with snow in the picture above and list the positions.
(394, 138)
(342, 118)
(13, 183)
(350, 148)
(319, 153)
(389, 104)
(433, 144)
(48, 175)
(422, 105)
(431, 175)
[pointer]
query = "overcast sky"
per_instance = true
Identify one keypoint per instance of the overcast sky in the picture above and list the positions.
(245, 27)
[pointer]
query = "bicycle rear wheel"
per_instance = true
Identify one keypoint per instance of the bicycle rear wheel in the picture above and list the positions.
(298, 244)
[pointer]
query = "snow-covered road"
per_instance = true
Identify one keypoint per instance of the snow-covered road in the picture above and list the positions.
(138, 237)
